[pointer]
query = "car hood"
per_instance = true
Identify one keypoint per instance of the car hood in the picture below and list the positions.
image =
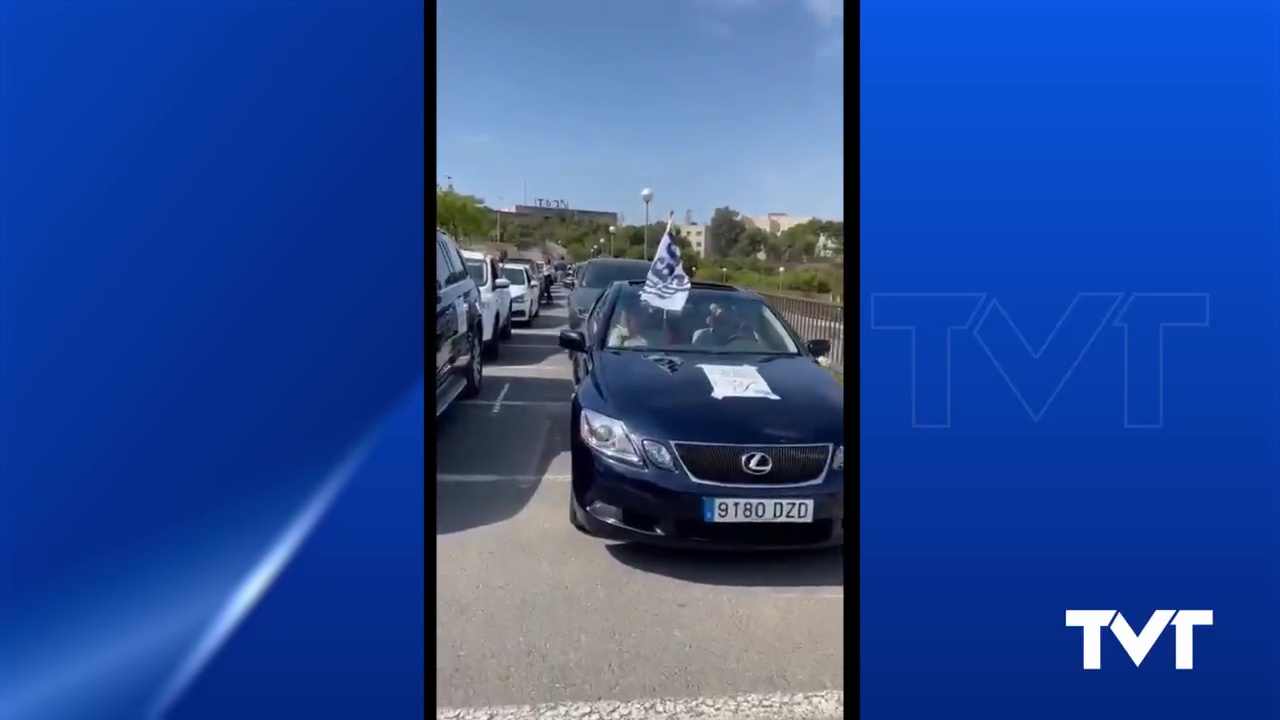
(669, 396)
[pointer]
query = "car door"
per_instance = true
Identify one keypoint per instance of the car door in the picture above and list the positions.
(446, 315)
(463, 298)
(470, 305)
(593, 329)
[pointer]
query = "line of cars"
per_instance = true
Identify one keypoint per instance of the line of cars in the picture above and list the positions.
(478, 299)
(710, 426)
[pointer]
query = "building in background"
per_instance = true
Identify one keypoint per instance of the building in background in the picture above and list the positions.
(775, 223)
(521, 212)
(697, 235)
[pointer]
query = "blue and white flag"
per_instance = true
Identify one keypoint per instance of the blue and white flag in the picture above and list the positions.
(667, 285)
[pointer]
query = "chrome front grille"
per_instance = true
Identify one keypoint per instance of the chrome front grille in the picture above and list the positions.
(723, 464)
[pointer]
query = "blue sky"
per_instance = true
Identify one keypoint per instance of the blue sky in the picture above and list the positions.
(707, 102)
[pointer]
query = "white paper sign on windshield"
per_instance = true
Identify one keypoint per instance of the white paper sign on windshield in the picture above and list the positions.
(741, 381)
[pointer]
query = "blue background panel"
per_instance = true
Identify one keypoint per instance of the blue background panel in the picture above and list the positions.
(1069, 219)
(211, 359)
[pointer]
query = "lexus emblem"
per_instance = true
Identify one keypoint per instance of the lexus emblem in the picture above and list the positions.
(757, 463)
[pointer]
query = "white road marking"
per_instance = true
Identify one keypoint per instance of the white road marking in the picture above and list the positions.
(468, 478)
(508, 403)
(536, 331)
(497, 404)
(528, 371)
(774, 706)
(530, 345)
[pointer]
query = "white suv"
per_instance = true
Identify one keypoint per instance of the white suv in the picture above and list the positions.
(495, 299)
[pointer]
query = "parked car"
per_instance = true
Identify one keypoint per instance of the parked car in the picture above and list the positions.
(534, 276)
(597, 275)
(543, 271)
(710, 427)
(524, 292)
(495, 299)
(459, 327)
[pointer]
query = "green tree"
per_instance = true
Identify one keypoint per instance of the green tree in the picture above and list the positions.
(798, 243)
(751, 242)
(462, 216)
(725, 232)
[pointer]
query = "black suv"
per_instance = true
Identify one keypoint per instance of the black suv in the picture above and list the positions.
(459, 327)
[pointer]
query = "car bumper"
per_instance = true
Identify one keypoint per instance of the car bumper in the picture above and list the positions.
(521, 309)
(622, 504)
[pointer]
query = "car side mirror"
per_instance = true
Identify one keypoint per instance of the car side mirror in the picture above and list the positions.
(819, 348)
(573, 340)
(501, 283)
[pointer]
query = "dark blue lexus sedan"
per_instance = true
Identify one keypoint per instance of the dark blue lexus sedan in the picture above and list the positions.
(711, 426)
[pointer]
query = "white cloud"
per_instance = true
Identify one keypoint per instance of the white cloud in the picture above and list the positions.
(827, 12)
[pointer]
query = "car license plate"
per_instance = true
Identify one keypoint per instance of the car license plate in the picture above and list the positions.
(743, 510)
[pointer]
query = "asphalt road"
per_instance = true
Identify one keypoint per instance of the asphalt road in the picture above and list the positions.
(534, 620)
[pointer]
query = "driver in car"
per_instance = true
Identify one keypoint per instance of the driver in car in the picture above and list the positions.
(636, 326)
(722, 326)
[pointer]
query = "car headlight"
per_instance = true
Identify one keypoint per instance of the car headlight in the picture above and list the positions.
(609, 437)
(837, 459)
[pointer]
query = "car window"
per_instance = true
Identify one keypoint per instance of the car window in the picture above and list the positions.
(595, 317)
(602, 275)
(478, 270)
(515, 274)
(443, 269)
(463, 273)
(711, 321)
(454, 270)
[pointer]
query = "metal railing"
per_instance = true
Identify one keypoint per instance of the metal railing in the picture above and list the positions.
(813, 320)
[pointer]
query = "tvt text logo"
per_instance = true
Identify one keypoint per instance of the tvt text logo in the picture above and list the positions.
(1138, 645)
(1036, 372)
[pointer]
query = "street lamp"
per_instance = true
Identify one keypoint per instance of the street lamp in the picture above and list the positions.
(647, 196)
(612, 229)
(780, 271)
(724, 274)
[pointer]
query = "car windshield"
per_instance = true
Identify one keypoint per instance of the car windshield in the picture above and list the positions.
(515, 275)
(477, 270)
(602, 275)
(712, 321)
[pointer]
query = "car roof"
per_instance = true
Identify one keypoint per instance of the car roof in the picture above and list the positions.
(618, 261)
(703, 285)
(474, 255)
